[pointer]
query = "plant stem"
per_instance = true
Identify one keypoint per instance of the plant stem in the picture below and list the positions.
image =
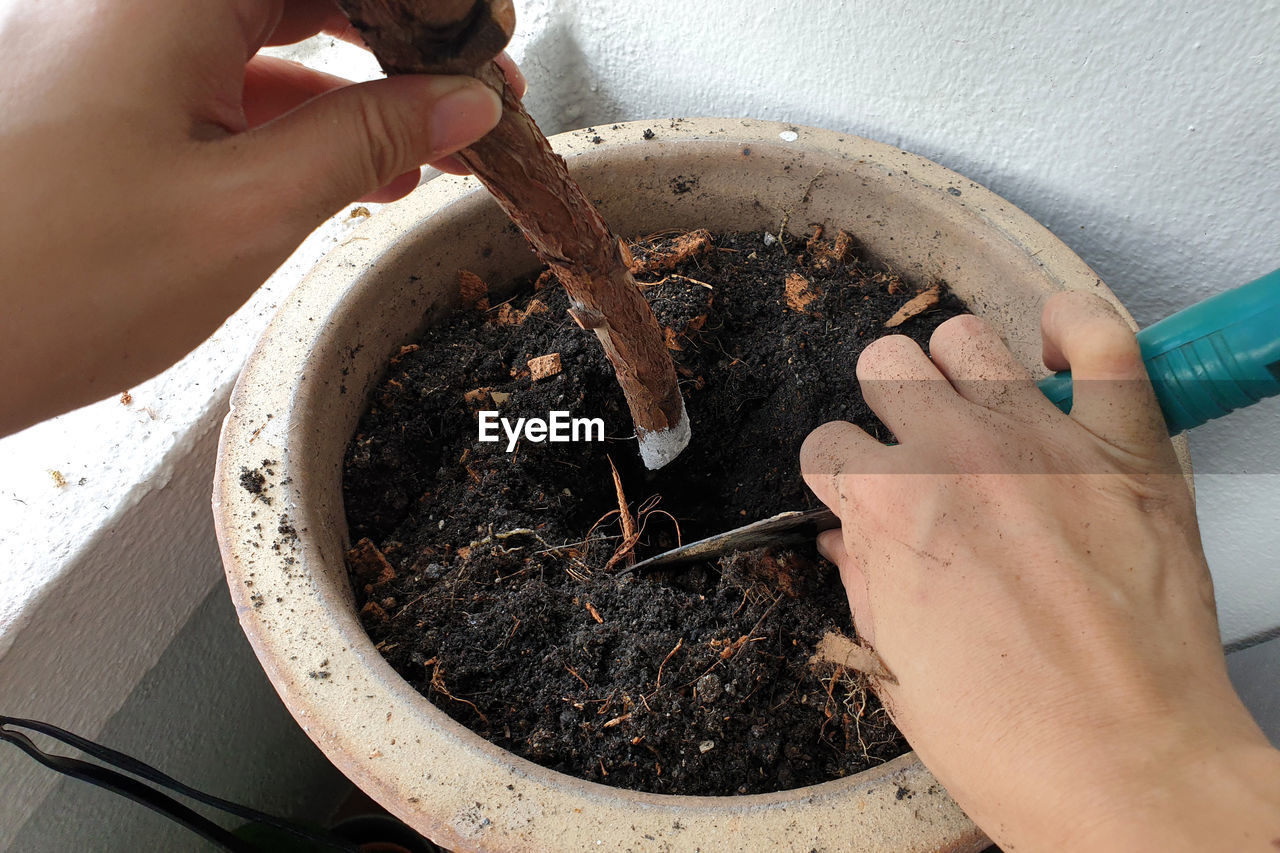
(532, 184)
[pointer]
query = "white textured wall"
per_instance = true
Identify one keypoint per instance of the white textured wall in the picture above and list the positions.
(106, 622)
(1142, 133)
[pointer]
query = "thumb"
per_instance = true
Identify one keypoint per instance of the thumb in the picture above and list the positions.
(355, 139)
(1111, 394)
(831, 546)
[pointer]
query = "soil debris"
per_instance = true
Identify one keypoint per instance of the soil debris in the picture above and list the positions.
(665, 254)
(800, 293)
(404, 350)
(473, 290)
(825, 256)
(513, 615)
(835, 648)
(372, 613)
(508, 315)
(918, 305)
(544, 366)
(368, 564)
(253, 481)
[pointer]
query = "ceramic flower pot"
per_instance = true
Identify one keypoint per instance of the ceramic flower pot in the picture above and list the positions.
(278, 496)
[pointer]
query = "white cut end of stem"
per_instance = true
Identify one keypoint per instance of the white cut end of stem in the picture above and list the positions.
(659, 447)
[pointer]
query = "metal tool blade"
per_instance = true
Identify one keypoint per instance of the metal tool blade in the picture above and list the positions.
(788, 528)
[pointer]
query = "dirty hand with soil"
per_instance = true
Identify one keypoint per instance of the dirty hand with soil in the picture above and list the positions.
(160, 170)
(1035, 584)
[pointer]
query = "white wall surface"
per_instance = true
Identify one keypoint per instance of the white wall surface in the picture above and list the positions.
(1144, 134)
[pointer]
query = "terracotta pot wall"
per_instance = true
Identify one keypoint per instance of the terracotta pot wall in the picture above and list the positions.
(303, 390)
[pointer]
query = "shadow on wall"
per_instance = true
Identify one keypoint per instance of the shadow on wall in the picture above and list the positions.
(1255, 673)
(1152, 270)
(564, 90)
(206, 715)
(1149, 268)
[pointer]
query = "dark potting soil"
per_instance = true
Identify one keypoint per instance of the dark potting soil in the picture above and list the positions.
(491, 580)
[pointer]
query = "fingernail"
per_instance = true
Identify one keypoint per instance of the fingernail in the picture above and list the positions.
(464, 110)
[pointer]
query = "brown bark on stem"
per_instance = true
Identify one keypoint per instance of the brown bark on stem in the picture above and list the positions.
(531, 183)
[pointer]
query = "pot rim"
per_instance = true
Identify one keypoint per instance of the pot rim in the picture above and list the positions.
(262, 423)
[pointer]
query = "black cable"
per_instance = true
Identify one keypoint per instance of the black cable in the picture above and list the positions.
(130, 788)
(119, 783)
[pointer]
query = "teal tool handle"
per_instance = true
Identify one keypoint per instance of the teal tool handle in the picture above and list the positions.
(1217, 356)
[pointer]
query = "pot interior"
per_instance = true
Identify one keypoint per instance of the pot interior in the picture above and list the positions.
(310, 378)
(642, 189)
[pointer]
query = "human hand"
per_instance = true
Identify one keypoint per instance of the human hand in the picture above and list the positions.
(158, 171)
(1036, 585)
